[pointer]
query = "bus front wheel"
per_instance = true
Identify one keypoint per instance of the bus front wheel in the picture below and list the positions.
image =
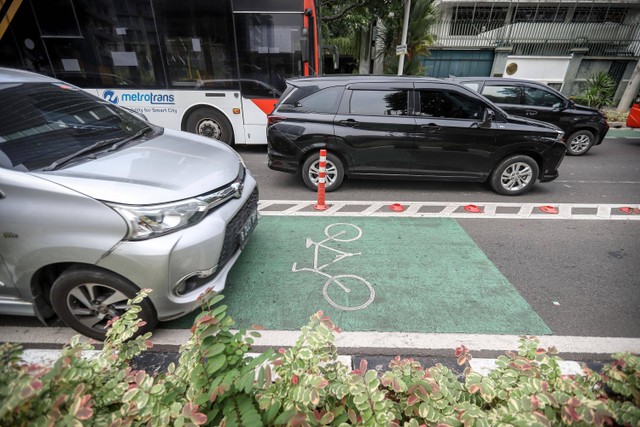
(210, 123)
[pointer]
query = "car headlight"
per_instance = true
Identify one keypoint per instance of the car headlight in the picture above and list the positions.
(145, 222)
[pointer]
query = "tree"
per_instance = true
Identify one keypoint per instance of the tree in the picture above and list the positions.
(349, 24)
(422, 17)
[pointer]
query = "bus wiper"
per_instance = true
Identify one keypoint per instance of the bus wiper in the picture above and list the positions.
(114, 143)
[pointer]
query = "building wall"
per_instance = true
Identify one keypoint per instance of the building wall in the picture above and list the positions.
(547, 70)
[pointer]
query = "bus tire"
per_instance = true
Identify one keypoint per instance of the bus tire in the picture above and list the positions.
(210, 123)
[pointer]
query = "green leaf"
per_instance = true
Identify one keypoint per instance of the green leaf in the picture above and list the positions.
(215, 363)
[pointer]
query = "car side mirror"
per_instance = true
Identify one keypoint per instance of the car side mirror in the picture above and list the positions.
(560, 106)
(487, 118)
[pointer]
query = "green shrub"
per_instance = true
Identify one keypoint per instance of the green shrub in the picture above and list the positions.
(599, 91)
(215, 383)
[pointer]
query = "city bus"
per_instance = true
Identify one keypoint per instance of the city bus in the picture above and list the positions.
(211, 67)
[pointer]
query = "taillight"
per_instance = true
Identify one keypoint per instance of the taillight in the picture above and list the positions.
(272, 120)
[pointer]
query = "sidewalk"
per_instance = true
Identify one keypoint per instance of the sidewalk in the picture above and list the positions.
(620, 130)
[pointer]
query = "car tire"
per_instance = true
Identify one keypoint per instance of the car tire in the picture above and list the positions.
(579, 142)
(78, 297)
(514, 175)
(210, 123)
(334, 172)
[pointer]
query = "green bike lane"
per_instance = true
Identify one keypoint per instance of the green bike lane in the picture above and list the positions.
(423, 275)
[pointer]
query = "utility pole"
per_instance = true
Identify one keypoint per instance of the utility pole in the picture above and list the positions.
(402, 49)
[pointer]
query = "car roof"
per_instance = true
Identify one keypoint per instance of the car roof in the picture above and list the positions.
(11, 75)
(358, 78)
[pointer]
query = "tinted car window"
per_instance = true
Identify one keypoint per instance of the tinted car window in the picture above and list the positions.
(540, 97)
(445, 104)
(379, 103)
(45, 122)
(324, 101)
(502, 94)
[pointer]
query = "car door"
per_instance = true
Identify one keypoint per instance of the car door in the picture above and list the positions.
(9, 296)
(375, 129)
(542, 104)
(449, 139)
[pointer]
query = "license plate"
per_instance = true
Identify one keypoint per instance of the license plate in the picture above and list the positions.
(247, 229)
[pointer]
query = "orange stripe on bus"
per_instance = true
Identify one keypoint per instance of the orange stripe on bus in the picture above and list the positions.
(266, 105)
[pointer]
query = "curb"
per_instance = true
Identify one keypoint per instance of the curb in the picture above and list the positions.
(363, 343)
(159, 361)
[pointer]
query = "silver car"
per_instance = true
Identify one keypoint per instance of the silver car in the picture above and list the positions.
(96, 204)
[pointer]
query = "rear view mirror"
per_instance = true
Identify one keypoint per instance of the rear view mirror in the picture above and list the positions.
(487, 118)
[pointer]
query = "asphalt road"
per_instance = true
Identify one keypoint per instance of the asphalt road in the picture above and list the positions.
(582, 277)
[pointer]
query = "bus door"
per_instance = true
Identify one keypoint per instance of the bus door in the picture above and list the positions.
(269, 51)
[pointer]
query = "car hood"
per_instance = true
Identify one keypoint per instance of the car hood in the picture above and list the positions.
(585, 108)
(172, 166)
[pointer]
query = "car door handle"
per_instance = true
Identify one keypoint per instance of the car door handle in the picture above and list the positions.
(2, 196)
(349, 122)
(431, 127)
(531, 112)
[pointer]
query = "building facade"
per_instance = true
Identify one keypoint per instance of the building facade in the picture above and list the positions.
(557, 42)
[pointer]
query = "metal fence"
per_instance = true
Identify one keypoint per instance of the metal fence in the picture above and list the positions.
(549, 38)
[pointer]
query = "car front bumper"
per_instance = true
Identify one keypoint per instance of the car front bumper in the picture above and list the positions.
(205, 251)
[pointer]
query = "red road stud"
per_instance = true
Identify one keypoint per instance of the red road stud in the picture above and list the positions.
(549, 209)
(397, 207)
(629, 210)
(473, 209)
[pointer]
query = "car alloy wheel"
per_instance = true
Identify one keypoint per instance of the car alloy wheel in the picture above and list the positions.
(514, 175)
(579, 142)
(334, 172)
(87, 299)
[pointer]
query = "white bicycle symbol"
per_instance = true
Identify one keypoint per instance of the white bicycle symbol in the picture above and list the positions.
(339, 232)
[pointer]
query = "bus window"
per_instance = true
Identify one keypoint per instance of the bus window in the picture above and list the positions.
(102, 43)
(268, 50)
(198, 42)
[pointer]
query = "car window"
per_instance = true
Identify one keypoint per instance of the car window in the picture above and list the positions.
(45, 122)
(379, 102)
(319, 101)
(503, 94)
(540, 97)
(450, 105)
(472, 85)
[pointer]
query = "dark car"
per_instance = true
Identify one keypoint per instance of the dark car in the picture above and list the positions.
(583, 126)
(407, 127)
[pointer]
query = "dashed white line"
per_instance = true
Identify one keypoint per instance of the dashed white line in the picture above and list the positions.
(488, 210)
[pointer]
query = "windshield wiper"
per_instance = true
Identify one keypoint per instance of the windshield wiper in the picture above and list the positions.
(135, 136)
(113, 144)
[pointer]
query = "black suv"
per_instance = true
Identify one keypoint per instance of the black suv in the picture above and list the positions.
(584, 126)
(407, 127)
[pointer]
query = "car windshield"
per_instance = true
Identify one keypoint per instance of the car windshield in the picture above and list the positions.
(47, 125)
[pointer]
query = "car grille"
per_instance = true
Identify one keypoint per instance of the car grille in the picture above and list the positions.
(230, 245)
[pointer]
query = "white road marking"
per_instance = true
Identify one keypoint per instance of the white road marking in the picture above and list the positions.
(490, 210)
